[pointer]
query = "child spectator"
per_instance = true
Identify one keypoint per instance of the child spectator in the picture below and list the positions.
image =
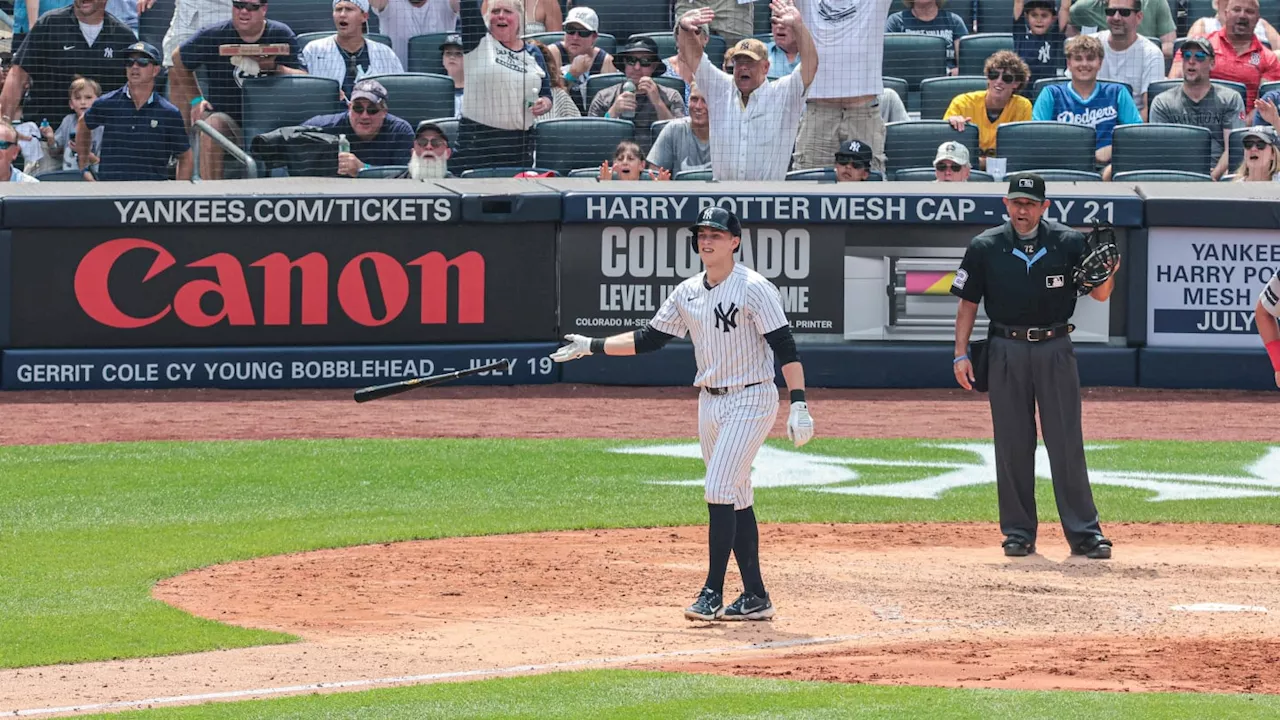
(60, 144)
(629, 164)
(1038, 40)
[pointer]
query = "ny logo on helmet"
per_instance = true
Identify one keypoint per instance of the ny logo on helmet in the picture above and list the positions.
(727, 319)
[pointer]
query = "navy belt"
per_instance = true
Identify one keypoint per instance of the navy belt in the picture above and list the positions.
(723, 390)
(1031, 333)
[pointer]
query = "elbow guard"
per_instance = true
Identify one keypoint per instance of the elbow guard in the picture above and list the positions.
(783, 344)
(648, 340)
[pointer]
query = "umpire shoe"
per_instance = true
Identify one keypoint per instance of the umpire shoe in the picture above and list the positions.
(1015, 546)
(1095, 548)
(749, 606)
(708, 606)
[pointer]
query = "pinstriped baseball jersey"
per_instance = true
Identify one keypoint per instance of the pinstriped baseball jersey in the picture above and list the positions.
(1270, 297)
(727, 324)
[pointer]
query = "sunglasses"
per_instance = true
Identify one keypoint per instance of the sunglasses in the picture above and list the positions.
(1008, 78)
(431, 142)
(366, 109)
(1196, 54)
(5, 144)
(580, 33)
(140, 62)
(251, 7)
(642, 62)
(1122, 12)
(1254, 144)
(948, 167)
(857, 164)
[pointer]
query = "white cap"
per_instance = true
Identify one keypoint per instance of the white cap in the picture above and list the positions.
(953, 151)
(584, 16)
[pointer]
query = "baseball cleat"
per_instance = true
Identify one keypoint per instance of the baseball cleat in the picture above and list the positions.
(1017, 547)
(749, 606)
(1095, 548)
(708, 606)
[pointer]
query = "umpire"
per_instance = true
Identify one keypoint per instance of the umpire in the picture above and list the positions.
(1026, 272)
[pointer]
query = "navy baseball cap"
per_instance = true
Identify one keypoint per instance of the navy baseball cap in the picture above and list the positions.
(718, 218)
(856, 150)
(1026, 185)
(144, 48)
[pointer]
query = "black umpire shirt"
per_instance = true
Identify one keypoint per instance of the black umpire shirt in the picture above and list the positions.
(1022, 284)
(55, 52)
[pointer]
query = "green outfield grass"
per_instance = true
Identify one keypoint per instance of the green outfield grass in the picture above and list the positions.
(88, 529)
(665, 696)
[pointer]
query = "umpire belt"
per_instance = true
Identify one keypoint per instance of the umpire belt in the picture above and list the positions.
(727, 390)
(1031, 333)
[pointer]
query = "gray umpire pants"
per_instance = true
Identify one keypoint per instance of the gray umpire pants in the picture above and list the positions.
(1024, 375)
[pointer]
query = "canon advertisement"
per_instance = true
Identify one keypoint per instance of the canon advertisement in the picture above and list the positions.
(614, 278)
(171, 287)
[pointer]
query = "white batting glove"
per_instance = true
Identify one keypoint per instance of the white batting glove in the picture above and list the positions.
(800, 424)
(579, 346)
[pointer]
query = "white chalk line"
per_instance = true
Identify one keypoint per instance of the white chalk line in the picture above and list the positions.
(457, 674)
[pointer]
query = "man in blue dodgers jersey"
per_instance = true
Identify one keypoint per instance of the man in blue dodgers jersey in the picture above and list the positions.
(735, 319)
(1085, 101)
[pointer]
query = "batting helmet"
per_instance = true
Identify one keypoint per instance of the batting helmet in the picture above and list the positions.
(718, 218)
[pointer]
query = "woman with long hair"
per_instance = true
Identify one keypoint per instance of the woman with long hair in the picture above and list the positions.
(562, 104)
(1261, 158)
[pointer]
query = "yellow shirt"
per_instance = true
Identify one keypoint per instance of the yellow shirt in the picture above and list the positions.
(973, 105)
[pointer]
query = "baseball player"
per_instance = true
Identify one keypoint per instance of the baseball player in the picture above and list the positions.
(1265, 315)
(735, 319)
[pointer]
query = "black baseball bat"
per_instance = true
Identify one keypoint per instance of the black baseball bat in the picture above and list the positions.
(380, 391)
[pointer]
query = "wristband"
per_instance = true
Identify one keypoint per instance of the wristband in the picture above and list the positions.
(197, 100)
(797, 396)
(597, 345)
(570, 77)
(1273, 352)
(966, 357)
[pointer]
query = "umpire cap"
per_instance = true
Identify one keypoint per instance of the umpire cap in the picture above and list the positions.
(718, 218)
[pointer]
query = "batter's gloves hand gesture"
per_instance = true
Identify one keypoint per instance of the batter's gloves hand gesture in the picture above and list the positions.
(579, 346)
(799, 424)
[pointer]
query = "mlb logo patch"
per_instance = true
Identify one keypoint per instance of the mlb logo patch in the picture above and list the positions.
(1026, 183)
(1055, 281)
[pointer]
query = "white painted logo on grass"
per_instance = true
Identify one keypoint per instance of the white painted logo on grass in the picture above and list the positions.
(776, 467)
(1220, 607)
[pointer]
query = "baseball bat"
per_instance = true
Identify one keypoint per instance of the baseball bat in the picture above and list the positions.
(380, 391)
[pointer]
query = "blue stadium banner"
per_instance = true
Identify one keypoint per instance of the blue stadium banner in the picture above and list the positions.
(871, 205)
(272, 367)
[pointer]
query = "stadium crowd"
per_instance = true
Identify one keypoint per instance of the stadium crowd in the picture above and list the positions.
(628, 90)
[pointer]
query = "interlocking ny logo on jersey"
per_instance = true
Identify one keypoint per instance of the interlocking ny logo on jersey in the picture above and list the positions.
(727, 320)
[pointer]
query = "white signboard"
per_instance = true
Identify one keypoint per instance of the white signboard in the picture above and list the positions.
(1202, 285)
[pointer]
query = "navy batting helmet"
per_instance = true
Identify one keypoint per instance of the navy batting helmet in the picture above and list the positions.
(718, 218)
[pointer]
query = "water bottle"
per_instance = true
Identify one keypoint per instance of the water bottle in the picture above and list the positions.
(628, 87)
(44, 123)
(344, 145)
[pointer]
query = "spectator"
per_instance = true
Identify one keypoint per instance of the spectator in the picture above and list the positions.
(675, 69)
(61, 143)
(629, 164)
(926, 17)
(853, 161)
(540, 16)
(346, 56)
(685, 144)
(1200, 102)
(451, 56)
(842, 97)
(1038, 40)
(578, 55)
(430, 157)
(141, 131)
(1206, 26)
(891, 107)
(1238, 55)
(753, 121)
(995, 106)
(731, 19)
(80, 40)
(952, 162)
(1085, 101)
(188, 17)
(126, 11)
(1090, 16)
(508, 89)
(784, 51)
(377, 137)
(562, 104)
(650, 102)
(1126, 57)
(9, 151)
(220, 104)
(6, 61)
(1261, 158)
(403, 19)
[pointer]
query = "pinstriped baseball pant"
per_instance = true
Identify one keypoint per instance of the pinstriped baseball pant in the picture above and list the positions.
(732, 428)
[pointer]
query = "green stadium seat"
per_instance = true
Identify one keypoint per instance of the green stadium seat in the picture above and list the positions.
(1037, 144)
(973, 50)
(275, 101)
(693, 175)
(1161, 176)
(1157, 146)
(417, 96)
(383, 171)
(914, 57)
(937, 93)
(1053, 174)
(567, 143)
(914, 143)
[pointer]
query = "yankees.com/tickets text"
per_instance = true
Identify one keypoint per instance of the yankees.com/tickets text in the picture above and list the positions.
(284, 210)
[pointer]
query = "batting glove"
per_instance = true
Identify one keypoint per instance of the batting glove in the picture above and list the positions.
(800, 424)
(579, 346)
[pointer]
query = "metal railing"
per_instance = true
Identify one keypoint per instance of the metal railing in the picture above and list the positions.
(244, 158)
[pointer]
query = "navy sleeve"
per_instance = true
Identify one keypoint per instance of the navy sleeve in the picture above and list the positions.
(404, 143)
(970, 280)
(177, 139)
(545, 91)
(199, 49)
(93, 117)
(285, 34)
(472, 23)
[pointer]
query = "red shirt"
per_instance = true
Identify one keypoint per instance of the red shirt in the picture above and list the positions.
(1251, 67)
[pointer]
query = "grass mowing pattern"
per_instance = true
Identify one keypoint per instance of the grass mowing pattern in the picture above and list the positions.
(88, 529)
(604, 694)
